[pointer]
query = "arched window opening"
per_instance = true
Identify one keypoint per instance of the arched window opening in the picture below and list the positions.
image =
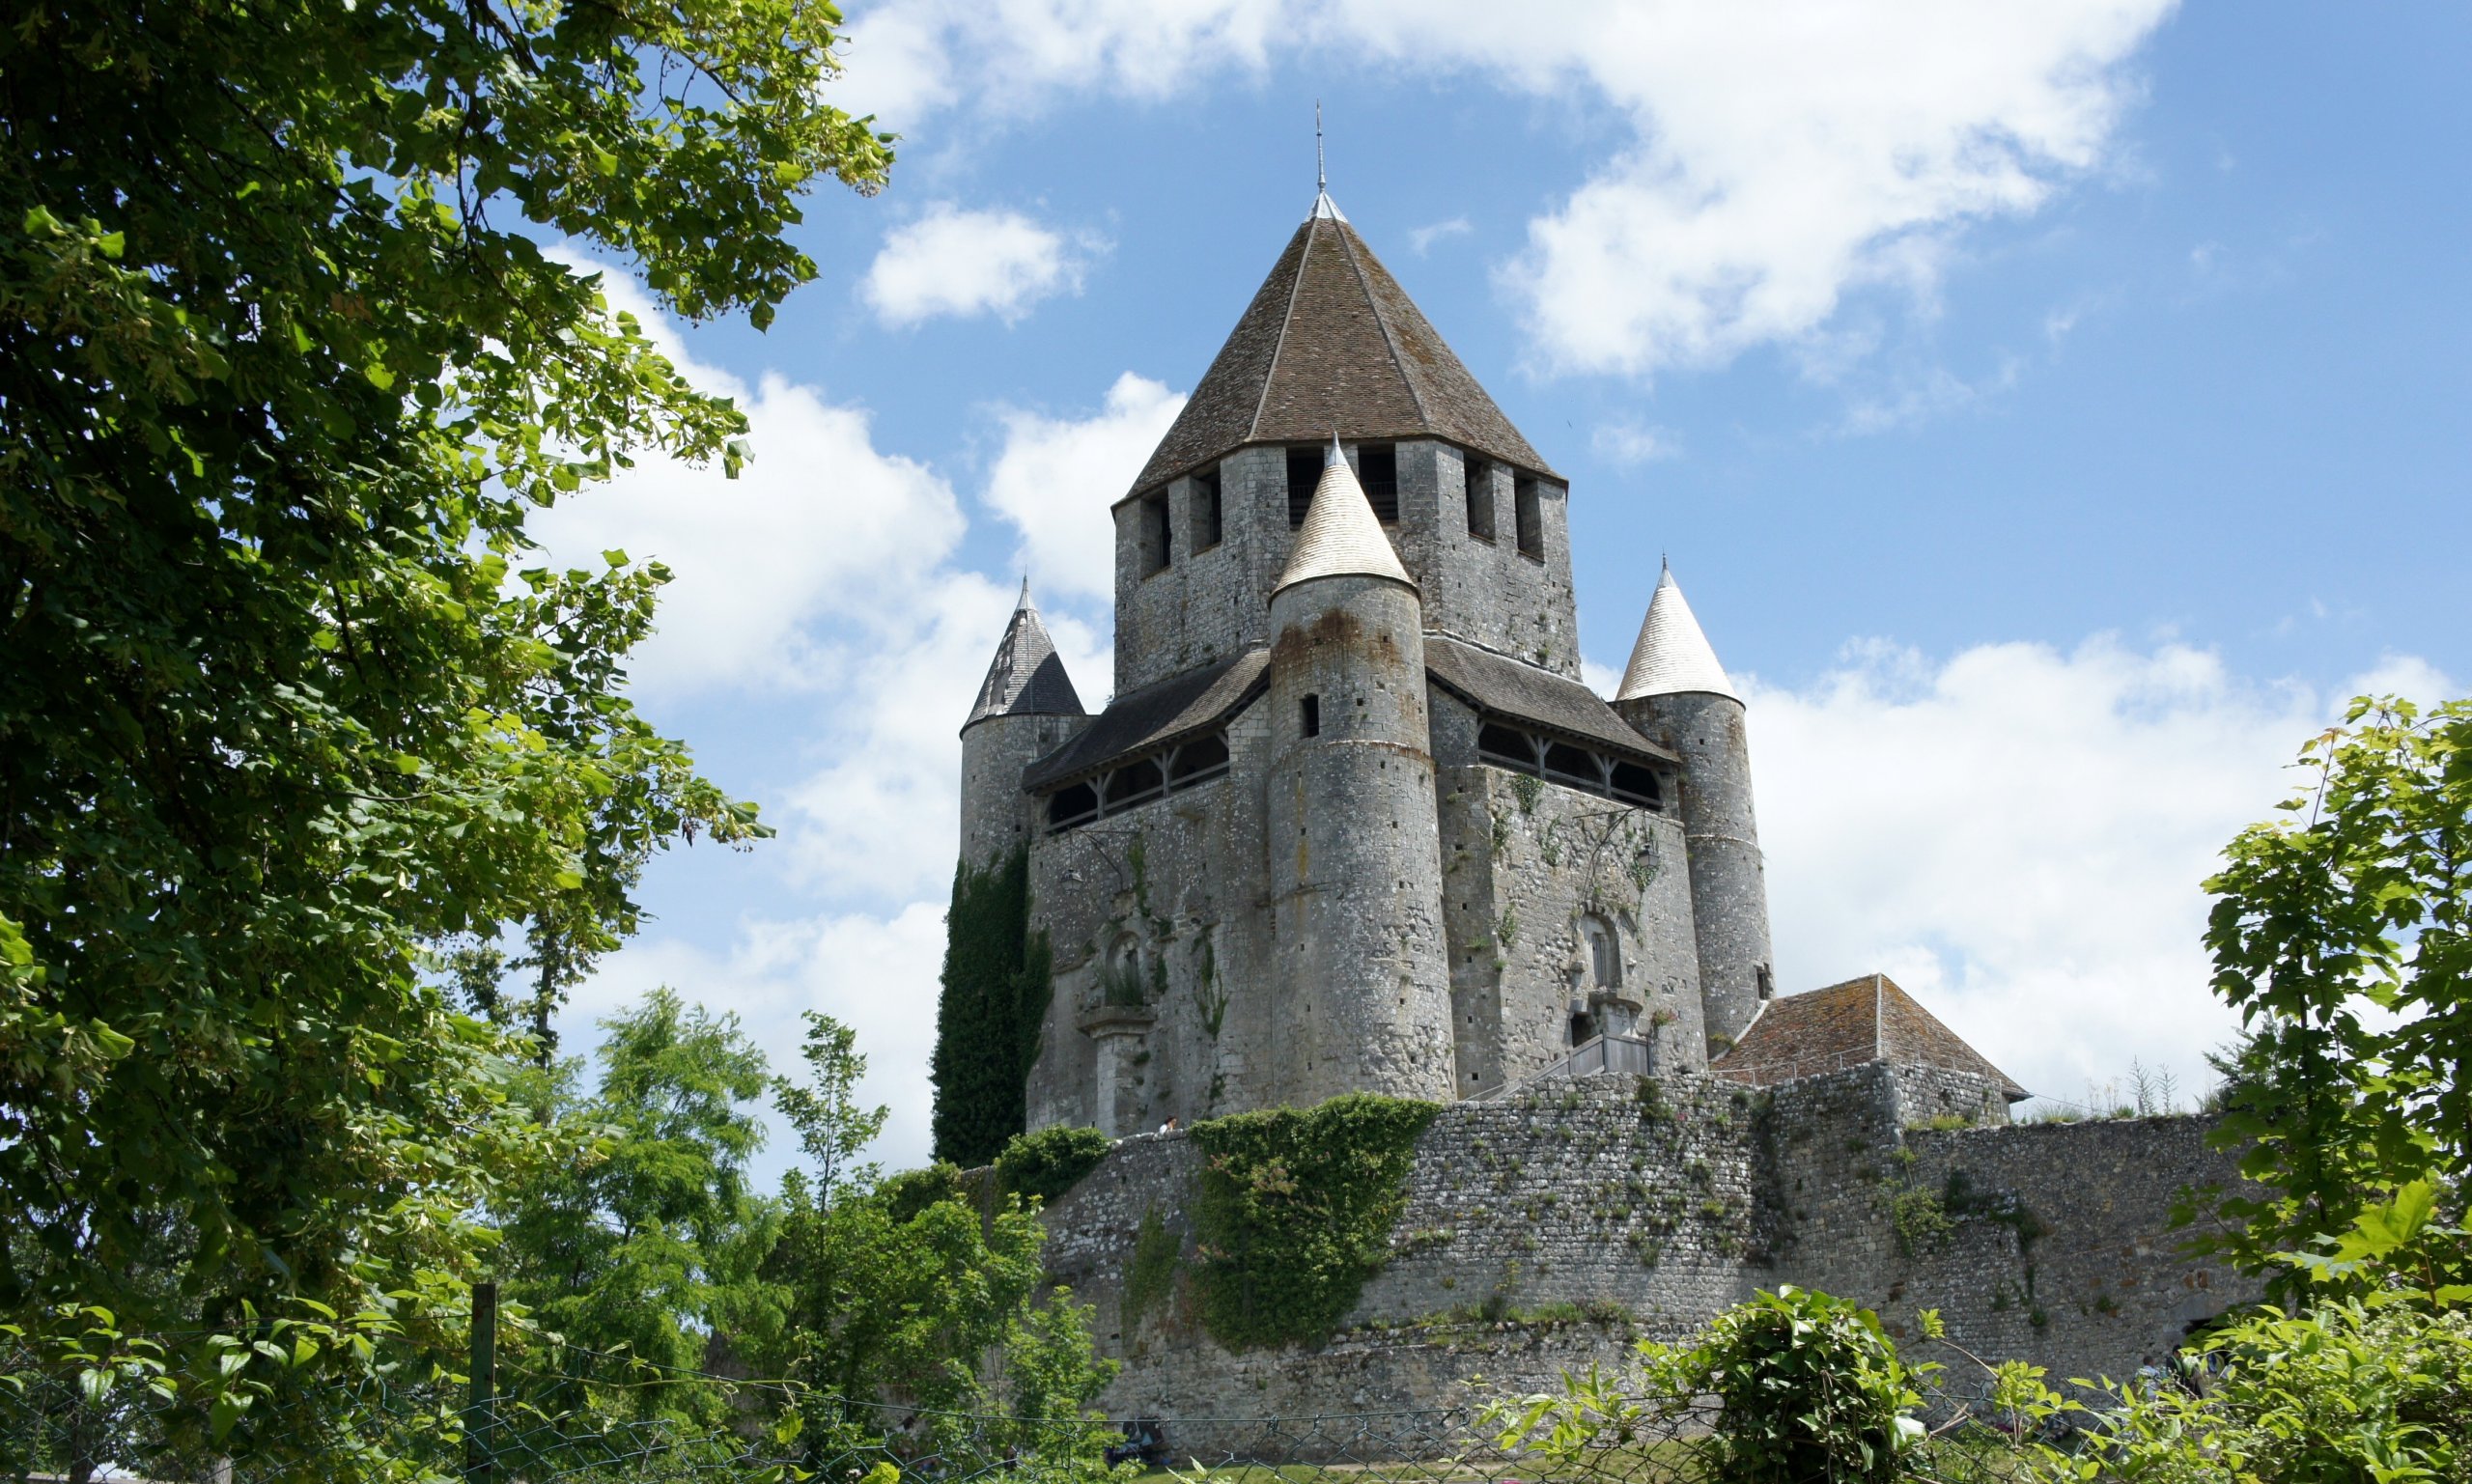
(1308, 717)
(1120, 980)
(1067, 807)
(1195, 760)
(1637, 785)
(1604, 953)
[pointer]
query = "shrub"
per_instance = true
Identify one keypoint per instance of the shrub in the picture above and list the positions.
(1807, 1387)
(1050, 1161)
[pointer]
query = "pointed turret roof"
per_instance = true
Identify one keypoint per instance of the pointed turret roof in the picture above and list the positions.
(1028, 677)
(1341, 536)
(1332, 342)
(1672, 655)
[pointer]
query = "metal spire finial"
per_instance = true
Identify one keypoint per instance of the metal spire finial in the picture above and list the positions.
(1321, 168)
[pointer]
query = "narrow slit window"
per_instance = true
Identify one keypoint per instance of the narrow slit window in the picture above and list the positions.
(1377, 468)
(1529, 511)
(1303, 472)
(1209, 526)
(1479, 477)
(1308, 717)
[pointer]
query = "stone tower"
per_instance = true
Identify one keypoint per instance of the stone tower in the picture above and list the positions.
(1027, 708)
(1677, 695)
(1361, 988)
(1351, 819)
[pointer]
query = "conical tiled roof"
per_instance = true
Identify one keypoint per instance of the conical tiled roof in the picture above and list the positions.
(1672, 655)
(1332, 342)
(1341, 536)
(1028, 677)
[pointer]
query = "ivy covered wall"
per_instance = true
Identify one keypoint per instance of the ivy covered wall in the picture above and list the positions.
(995, 985)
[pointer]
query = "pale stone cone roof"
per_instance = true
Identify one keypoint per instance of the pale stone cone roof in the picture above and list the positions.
(1672, 655)
(1028, 677)
(1341, 537)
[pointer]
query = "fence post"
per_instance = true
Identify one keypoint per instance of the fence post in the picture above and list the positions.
(480, 1410)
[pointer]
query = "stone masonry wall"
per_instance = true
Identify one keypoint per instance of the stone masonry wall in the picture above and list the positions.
(1548, 1229)
(1524, 860)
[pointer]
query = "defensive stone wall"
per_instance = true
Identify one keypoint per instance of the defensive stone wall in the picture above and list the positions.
(1550, 1228)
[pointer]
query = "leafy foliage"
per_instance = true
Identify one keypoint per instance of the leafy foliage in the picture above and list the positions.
(1807, 1387)
(997, 983)
(905, 1290)
(651, 1239)
(283, 369)
(1295, 1213)
(1045, 1164)
(2345, 939)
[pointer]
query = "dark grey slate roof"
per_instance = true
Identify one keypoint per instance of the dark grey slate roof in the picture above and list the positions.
(1026, 678)
(1154, 717)
(1331, 344)
(1515, 688)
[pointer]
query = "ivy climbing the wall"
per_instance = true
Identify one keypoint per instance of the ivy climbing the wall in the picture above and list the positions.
(1296, 1211)
(1050, 1161)
(996, 986)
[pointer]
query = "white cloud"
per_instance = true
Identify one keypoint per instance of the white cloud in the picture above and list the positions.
(1777, 155)
(1056, 478)
(1631, 444)
(2017, 835)
(957, 262)
(1420, 239)
(876, 974)
(820, 526)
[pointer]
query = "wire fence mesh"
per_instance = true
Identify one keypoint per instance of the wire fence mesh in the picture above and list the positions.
(553, 1414)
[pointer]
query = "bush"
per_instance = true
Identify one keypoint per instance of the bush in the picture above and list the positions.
(2353, 1392)
(1807, 1387)
(1050, 1161)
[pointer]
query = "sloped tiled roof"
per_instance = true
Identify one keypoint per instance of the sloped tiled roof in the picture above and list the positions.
(1512, 687)
(1847, 1024)
(1673, 654)
(1333, 345)
(1026, 678)
(1341, 536)
(1154, 717)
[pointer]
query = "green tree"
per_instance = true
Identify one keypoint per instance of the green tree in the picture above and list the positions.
(2344, 937)
(283, 369)
(904, 1291)
(997, 983)
(653, 1239)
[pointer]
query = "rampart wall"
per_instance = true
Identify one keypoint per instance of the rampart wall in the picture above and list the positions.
(1549, 1228)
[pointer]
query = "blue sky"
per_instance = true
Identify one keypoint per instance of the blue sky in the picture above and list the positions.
(2053, 413)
